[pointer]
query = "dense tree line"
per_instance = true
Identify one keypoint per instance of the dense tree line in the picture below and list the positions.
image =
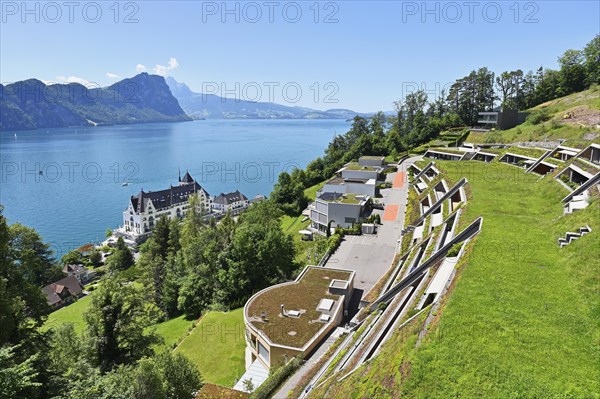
(196, 265)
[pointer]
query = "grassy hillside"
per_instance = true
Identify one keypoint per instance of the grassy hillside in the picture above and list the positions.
(585, 109)
(217, 347)
(523, 318)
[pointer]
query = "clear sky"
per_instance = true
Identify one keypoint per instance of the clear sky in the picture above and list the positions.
(344, 54)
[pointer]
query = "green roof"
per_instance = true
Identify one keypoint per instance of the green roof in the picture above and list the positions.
(356, 166)
(304, 296)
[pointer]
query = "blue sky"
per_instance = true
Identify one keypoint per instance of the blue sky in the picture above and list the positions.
(359, 55)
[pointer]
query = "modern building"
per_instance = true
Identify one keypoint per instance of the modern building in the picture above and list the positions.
(342, 185)
(234, 202)
(443, 154)
(80, 272)
(501, 119)
(147, 207)
(63, 291)
(339, 209)
(291, 319)
(355, 170)
(371, 160)
(591, 153)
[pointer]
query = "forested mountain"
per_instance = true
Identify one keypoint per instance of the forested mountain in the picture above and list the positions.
(31, 104)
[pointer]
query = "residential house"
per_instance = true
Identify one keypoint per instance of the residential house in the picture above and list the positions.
(341, 210)
(291, 319)
(234, 202)
(63, 291)
(81, 273)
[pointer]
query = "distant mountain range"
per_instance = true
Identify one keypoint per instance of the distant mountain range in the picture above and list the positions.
(210, 106)
(144, 98)
(31, 104)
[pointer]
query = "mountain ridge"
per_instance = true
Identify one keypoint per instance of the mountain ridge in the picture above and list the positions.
(211, 106)
(32, 104)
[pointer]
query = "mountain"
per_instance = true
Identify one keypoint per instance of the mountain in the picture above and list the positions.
(31, 104)
(210, 106)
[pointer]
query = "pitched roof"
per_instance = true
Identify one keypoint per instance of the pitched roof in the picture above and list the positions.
(229, 198)
(74, 268)
(165, 198)
(187, 178)
(53, 290)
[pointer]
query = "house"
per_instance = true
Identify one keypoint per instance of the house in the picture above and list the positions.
(147, 207)
(234, 202)
(591, 153)
(81, 273)
(63, 291)
(562, 153)
(355, 170)
(518, 159)
(501, 119)
(444, 154)
(339, 209)
(291, 319)
(342, 185)
(371, 160)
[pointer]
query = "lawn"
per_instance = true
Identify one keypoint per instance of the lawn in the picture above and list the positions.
(72, 313)
(172, 331)
(217, 347)
(522, 320)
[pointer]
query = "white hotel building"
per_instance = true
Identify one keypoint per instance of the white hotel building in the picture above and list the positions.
(147, 207)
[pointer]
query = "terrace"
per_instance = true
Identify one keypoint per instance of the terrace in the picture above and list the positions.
(341, 198)
(357, 166)
(304, 301)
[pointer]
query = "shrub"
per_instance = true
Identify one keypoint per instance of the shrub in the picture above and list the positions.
(539, 116)
(274, 380)
(454, 250)
(334, 241)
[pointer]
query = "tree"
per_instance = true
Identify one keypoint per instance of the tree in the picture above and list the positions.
(122, 258)
(32, 256)
(116, 323)
(72, 258)
(509, 84)
(95, 258)
(16, 376)
(572, 72)
(591, 54)
(289, 192)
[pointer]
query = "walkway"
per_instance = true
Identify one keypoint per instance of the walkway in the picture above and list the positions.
(307, 366)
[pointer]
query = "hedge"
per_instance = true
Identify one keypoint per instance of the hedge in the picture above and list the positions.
(266, 389)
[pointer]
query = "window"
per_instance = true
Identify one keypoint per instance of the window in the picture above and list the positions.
(350, 220)
(263, 352)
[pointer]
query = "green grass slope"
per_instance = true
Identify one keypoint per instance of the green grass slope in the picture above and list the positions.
(523, 317)
(217, 347)
(585, 107)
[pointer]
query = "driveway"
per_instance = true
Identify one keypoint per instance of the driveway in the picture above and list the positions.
(370, 256)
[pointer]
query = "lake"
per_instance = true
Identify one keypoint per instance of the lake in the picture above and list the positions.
(67, 183)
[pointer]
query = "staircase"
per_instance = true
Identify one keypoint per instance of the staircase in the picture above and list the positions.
(570, 236)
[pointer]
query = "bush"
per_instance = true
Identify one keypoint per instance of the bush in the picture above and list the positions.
(334, 241)
(274, 380)
(454, 250)
(538, 117)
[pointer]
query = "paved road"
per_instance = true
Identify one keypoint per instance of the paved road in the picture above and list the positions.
(370, 256)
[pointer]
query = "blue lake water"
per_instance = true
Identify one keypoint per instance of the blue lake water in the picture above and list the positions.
(79, 192)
